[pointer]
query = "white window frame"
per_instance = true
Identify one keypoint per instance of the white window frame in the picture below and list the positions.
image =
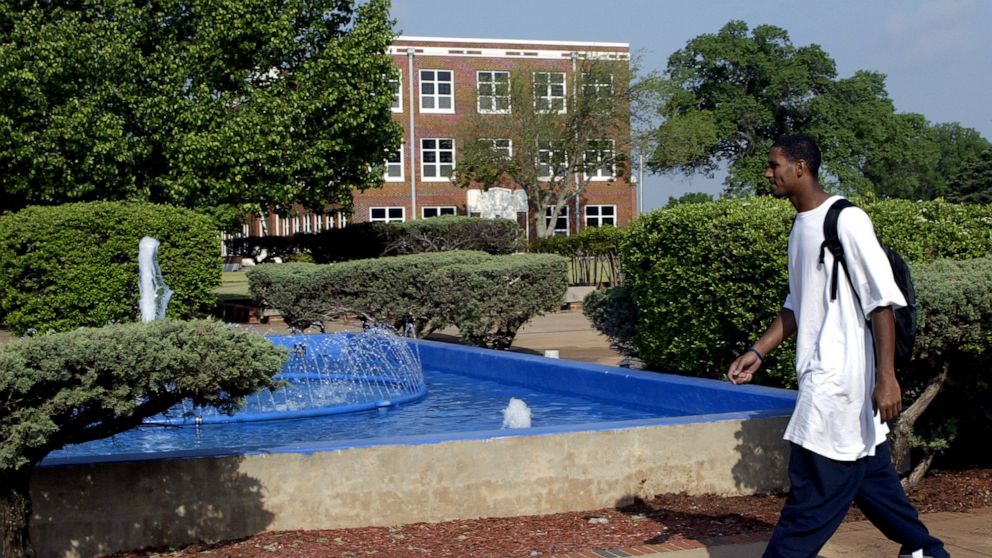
(545, 92)
(397, 92)
(388, 214)
(493, 95)
(545, 154)
(401, 164)
(506, 150)
(562, 215)
(435, 95)
(438, 210)
(594, 147)
(597, 220)
(596, 88)
(437, 164)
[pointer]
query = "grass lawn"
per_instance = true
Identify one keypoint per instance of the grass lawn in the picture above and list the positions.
(233, 284)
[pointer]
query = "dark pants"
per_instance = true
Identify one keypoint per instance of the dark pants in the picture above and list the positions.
(823, 490)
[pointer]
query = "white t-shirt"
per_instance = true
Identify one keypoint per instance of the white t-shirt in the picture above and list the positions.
(835, 357)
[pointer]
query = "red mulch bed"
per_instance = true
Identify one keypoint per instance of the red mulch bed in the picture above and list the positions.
(665, 518)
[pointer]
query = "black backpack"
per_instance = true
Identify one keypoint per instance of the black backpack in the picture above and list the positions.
(905, 317)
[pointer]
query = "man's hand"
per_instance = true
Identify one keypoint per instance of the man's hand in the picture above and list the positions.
(887, 398)
(742, 370)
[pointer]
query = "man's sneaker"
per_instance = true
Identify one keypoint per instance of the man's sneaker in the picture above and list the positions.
(916, 554)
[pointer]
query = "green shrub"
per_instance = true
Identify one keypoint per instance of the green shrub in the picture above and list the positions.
(613, 313)
(389, 290)
(923, 231)
(595, 254)
(489, 301)
(708, 278)
(289, 288)
(75, 265)
(954, 337)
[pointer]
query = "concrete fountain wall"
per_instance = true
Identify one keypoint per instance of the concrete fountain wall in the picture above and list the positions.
(731, 443)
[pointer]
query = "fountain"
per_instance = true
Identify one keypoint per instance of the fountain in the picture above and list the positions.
(325, 375)
(155, 294)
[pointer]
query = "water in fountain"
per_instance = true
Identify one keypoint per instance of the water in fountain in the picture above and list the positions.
(326, 374)
(155, 294)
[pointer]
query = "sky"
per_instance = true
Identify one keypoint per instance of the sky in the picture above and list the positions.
(935, 53)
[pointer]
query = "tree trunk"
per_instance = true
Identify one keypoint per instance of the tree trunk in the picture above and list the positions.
(15, 513)
(909, 483)
(903, 429)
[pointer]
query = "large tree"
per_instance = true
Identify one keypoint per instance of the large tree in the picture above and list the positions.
(732, 93)
(973, 182)
(237, 104)
(557, 146)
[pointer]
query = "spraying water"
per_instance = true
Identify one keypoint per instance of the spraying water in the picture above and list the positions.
(155, 294)
(516, 414)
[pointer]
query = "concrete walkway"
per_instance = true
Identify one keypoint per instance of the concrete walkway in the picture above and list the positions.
(965, 535)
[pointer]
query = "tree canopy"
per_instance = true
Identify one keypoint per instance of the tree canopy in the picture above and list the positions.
(730, 94)
(554, 150)
(973, 182)
(236, 104)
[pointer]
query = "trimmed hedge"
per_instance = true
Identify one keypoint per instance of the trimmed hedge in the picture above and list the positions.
(381, 290)
(487, 297)
(708, 278)
(373, 240)
(73, 265)
(490, 300)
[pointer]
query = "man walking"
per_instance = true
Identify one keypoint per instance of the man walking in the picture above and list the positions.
(845, 352)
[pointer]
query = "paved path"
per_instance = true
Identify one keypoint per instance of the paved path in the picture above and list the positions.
(966, 535)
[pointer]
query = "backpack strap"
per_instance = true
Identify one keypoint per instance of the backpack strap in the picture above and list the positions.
(831, 241)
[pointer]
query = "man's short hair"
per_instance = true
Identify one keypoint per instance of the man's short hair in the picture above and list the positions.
(798, 147)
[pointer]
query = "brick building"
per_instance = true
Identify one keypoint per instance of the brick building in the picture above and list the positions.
(455, 79)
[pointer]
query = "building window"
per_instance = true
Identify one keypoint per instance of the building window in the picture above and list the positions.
(436, 91)
(397, 86)
(599, 215)
(387, 214)
(503, 146)
(599, 160)
(394, 166)
(493, 92)
(437, 211)
(561, 225)
(597, 86)
(551, 160)
(437, 156)
(549, 91)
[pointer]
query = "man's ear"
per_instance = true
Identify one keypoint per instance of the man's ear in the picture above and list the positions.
(800, 167)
